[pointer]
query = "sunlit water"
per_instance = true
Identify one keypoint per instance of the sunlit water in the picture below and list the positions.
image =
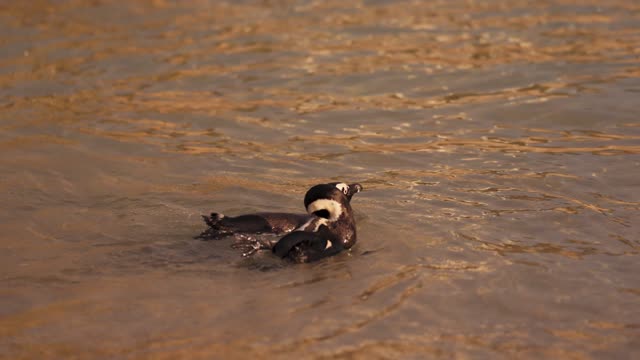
(497, 142)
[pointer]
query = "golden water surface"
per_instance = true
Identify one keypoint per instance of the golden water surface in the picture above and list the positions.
(498, 143)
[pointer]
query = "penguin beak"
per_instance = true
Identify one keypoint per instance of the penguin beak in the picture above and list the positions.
(353, 189)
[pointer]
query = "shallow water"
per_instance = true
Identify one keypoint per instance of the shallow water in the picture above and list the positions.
(497, 142)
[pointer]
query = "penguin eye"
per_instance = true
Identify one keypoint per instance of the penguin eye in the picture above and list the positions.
(343, 187)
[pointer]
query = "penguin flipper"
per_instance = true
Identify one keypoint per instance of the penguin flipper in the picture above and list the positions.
(249, 224)
(305, 246)
(221, 226)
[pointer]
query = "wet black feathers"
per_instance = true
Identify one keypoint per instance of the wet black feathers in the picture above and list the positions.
(305, 246)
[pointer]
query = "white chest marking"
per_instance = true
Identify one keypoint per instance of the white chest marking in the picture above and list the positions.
(333, 207)
(319, 221)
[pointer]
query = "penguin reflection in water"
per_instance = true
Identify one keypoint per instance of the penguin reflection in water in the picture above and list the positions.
(327, 228)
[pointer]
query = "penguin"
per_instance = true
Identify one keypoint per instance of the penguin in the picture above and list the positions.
(274, 222)
(332, 230)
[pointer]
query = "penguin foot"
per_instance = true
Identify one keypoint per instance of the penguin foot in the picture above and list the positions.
(215, 231)
(213, 219)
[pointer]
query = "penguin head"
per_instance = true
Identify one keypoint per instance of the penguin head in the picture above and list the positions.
(331, 200)
(348, 189)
